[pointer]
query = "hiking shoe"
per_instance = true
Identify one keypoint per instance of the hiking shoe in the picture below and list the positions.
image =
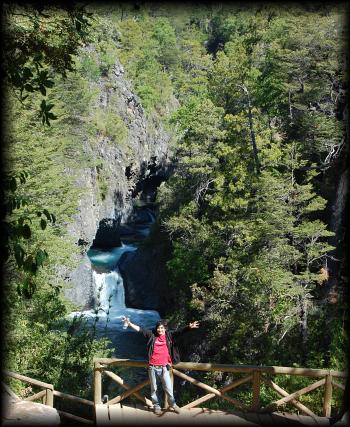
(157, 410)
(176, 409)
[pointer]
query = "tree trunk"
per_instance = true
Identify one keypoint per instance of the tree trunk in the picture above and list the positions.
(251, 128)
(303, 326)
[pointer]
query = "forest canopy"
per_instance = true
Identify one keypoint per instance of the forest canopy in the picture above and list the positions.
(257, 97)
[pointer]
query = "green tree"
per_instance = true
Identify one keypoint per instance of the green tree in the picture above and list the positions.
(40, 196)
(38, 42)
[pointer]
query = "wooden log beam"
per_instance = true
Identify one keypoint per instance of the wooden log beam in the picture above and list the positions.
(49, 397)
(127, 393)
(28, 380)
(188, 366)
(209, 396)
(97, 383)
(208, 388)
(121, 362)
(296, 394)
(121, 382)
(36, 396)
(75, 417)
(256, 390)
(284, 393)
(338, 385)
(74, 398)
(10, 392)
(327, 397)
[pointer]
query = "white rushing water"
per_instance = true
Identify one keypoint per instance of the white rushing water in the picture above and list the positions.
(110, 304)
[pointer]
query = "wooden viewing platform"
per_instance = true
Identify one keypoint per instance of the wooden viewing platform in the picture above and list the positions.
(118, 414)
(119, 410)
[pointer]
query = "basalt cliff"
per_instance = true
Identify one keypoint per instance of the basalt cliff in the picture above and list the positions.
(122, 176)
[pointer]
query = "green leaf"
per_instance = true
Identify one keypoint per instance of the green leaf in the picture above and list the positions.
(13, 184)
(23, 177)
(40, 257)
(26, 289)
(30, 265)
(27, 73)
(16, 80)
(47, 214)
(19, 254)
(19, 289)
(26, 231)
(49, 83)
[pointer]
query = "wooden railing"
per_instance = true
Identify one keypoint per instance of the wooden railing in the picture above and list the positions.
(46, 395)
(254, 375)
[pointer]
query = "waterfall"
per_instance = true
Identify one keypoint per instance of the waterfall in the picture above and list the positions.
(109, 296)
(110, 288)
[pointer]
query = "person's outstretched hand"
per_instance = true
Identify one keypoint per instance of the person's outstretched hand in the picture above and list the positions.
(194, 324)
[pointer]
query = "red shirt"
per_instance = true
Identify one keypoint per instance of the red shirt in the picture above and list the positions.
(160, 354)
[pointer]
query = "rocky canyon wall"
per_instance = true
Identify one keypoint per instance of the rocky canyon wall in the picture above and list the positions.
(111, 186)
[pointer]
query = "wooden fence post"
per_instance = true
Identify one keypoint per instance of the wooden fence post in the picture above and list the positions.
(97, 383)
(327, 402)
(49, 397)
(256, 391)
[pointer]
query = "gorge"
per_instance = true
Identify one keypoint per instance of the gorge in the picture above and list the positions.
(119, 217)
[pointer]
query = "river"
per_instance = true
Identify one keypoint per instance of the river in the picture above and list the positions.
(110, 295)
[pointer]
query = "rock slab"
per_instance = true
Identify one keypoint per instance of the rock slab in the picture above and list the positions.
(24, 413)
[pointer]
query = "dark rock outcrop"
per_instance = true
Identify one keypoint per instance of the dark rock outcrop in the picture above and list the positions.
(145, 277)
(107, 235)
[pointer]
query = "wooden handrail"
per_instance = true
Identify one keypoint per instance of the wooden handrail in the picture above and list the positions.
(48, 388)
(47, 394)
(254, 374)
(28, 380)
(10, 392)
(73, 398)
(306, 372)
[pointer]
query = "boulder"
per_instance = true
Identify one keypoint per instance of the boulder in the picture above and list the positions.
(23, 413)
(145, 278)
